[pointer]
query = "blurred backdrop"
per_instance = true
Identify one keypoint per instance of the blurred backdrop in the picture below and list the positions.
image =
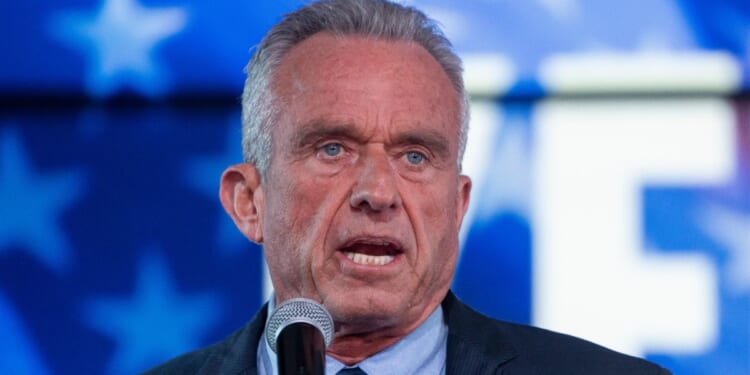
(609, 148)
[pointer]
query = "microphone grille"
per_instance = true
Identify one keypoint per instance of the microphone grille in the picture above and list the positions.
(298, 310)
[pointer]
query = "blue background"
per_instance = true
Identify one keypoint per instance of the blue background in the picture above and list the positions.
(115, 253)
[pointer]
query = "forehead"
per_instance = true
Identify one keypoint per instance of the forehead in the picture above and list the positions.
(364, 80)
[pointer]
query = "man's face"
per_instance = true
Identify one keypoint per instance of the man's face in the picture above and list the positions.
(363, 200)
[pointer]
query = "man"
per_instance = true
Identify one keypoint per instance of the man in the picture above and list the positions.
(354, 125)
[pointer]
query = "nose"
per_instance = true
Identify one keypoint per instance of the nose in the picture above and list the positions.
(375, 189)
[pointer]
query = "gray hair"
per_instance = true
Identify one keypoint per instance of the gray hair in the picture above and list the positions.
(375, 18)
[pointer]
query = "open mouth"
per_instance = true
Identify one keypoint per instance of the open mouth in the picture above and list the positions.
(372, 251)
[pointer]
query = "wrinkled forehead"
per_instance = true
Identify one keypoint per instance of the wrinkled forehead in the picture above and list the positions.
(341, 75)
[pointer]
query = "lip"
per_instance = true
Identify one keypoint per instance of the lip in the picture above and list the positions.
(395, 245)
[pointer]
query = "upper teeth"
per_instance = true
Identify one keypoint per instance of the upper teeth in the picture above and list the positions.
(377, 242)
(372, 260)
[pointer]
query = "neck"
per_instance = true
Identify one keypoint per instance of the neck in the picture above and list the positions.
(351, 350)
(351, 346)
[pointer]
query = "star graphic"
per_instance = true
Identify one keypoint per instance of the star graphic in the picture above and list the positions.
(204, 173)
(119, 42)
(31, 203)
(154, 324)
(731, 228)
(18, 354)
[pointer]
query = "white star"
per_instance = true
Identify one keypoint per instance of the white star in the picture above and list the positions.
(19, 354)
(732, 230)
(119, 42)
(31, 204)
(154, 324)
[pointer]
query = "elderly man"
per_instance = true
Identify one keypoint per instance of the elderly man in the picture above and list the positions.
(355, 123)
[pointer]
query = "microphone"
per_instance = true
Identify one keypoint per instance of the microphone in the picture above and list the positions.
(298, 331)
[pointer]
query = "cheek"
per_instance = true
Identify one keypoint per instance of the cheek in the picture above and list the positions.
(438, 208)
(294, 232)
(302, 208)
(437, 212)
(291, 207)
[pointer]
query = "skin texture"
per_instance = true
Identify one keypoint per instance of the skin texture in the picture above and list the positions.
(364, 154)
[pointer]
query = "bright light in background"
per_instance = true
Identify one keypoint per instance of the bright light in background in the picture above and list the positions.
(488, 74)
(485, 125)
(647, 71)
(592, 275)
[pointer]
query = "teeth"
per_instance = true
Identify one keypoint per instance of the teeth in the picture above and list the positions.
(370, 260)
(377, 242)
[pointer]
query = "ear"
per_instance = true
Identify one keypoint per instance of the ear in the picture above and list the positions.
(462, 198)
(242, 196)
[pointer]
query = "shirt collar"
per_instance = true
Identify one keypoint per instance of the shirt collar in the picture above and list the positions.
(423, 351)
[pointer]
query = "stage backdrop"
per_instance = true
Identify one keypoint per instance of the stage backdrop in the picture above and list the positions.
(609, 149)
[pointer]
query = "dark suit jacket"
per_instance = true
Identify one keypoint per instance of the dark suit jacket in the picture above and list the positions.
(476, 345)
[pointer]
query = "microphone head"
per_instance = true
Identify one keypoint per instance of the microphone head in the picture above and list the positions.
(298, 310)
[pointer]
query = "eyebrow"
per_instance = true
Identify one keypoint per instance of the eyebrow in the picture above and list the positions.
(430, 139)
(316, 130)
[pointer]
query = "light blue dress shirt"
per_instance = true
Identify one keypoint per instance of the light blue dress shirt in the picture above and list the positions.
(420, 352)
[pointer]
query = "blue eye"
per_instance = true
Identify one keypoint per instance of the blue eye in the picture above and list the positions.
(415, 157)
(332, 149)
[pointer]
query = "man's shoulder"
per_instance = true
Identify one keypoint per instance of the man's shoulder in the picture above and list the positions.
(206, 360)
(533, 350)
(236, 354)
(188, 363)
(556, 352)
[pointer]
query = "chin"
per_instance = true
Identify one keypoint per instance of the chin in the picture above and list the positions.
(368, 311)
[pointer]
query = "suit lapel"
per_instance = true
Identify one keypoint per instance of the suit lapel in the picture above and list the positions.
(475, 343)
